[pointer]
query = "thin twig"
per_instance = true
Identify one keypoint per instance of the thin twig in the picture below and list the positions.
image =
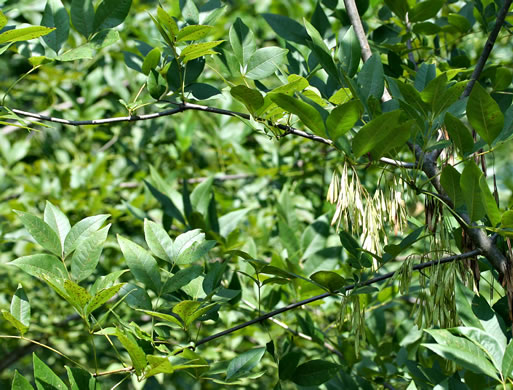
(189, 106)
(356, 22)
(112, 372)
(398, 163)
(220, 178)
(103, 121)
(327, 345)
(59, 107)
(478, 236)
(408, 43)
(501, 16)
(292, 306)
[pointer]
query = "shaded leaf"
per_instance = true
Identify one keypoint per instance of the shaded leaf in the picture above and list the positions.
(490, 205)
(469, 183)
(484, 114)
(308, 114)
(189, 11)
(459, 134)
(287, 365)
(82, 16)
(287, 28)
(200, 196)
(375, 132)
(135, 296)
(229, 222)
(55, 15)
(241, 365)
(156, 84)
(19, 382)
(182, 278)
(461, 351)
(314, 372)
(349, 52)
(251, 98)
(111, 13)
(80, 379)
(329, 279)
(343, 118)
(371, 78)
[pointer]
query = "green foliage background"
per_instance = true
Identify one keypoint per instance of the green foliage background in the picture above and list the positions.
(268, 189)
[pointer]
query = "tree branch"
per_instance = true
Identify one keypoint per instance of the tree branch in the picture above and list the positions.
(327, 345)
(356, 22)
(501, 16)
(377, 279)
(190, 106)
(478, 236)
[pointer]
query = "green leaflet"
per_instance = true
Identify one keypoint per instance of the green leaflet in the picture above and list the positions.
(55, 15)
(380, 135)
(40, 265)
(82, 16)
(343, 118)
(159, 242)
(151, 60)
(44, 377)
(251, 98)
(24, 34)
(328, 279)
(314, 372)
(484, 114)
(41, 232)
(462, 351)
(111, 13)
(142, 265)
(308, 114)
(242, 41)
(192, 33)
(55, 218)
(372, 78)
(459, 133)
(450, 180)
(244, 363)
(471, 189)
(87, 254)
(135, 352)
(349, 52)
(490, 205)
(265, 61)
(197, 50)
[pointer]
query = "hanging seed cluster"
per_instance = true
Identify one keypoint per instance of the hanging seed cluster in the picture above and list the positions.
(358, 212)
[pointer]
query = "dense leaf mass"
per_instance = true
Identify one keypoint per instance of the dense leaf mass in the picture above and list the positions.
(262, 195)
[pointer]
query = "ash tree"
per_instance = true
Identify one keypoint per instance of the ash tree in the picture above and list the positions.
(282, 194)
